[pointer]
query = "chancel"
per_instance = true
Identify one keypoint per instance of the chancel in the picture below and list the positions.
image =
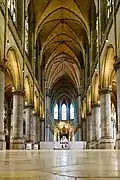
(60, 89)
(59, 73)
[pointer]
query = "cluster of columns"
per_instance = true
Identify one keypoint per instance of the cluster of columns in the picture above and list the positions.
(34, 126)
(99, 133)
(99, 130)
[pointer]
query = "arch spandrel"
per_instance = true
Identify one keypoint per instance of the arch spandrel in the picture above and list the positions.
(14, 68)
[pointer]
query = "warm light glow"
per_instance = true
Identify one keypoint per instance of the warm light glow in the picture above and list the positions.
(33, 112)
(13, 89)
(98, 102)
(25, 103)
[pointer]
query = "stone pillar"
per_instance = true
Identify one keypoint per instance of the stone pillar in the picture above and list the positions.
(89, 130)
(35, 127)
(47, 115)
(2, 89)
(42, 130)
(83, 129)
(17, 141)
(79, 118)
(29, 123)
(95, 125)
(117, 68)
(37, 115)
(106, 141)
(48, 132)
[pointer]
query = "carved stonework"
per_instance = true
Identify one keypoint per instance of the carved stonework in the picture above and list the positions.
(95, 105)
(88, 113)
(105, 90)
(79, 125)
(3, 67)
(30, 106)
(117, 64)
(47, 92)
(18, 92)
(37, 114)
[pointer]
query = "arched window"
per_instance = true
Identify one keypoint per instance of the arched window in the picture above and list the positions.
(12, 5)
(26, 33)
(109, 7)
(56, 111)
(97, 32)
(71, 111)
(64, 112)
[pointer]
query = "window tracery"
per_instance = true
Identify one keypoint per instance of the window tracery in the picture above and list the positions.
(64, 114)
(12, 6)
(71, 111)
(56, 111)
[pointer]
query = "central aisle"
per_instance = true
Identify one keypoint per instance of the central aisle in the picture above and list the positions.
(60, 165)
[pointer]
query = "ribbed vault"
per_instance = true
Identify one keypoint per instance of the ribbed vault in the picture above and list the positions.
(62, 33)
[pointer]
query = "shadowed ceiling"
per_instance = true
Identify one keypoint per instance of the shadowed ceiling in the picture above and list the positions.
(62, 31)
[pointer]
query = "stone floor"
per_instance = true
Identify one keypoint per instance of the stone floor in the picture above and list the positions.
(60, 165)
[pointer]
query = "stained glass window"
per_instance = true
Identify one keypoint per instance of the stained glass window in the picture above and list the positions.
(13, 9)
(64, 112)
(71, 111)
(109, 7)
(26, 33)
(56, 111)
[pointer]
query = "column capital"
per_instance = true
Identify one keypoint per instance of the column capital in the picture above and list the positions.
(47, 126)
(79, 125)
(42, 120)
(47, 92)
(36, 114)
(3, 67)
(105, 91)
(117, 63)
(94, 105)
(88, 113)
(83, 118)
(30, 106)
(19, 92)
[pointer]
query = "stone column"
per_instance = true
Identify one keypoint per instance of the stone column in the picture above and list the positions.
(37, 115)
(79, 118)
(95, 125)
(89, 130)
(47, 115)
(83, 129)
(17, 141)
(117, 68)
(42, 130)
(35, 127)
(29, 123)
(2, 90)
(106, 141)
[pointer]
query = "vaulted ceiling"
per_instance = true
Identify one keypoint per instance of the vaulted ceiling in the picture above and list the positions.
(63, 30)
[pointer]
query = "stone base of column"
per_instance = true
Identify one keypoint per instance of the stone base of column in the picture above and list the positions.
(88, 146)
(2, 144)
(95, 144)
(118, 141)
(17, 143)
(106, 143)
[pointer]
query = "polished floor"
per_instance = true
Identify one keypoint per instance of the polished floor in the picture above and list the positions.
(60, 165)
